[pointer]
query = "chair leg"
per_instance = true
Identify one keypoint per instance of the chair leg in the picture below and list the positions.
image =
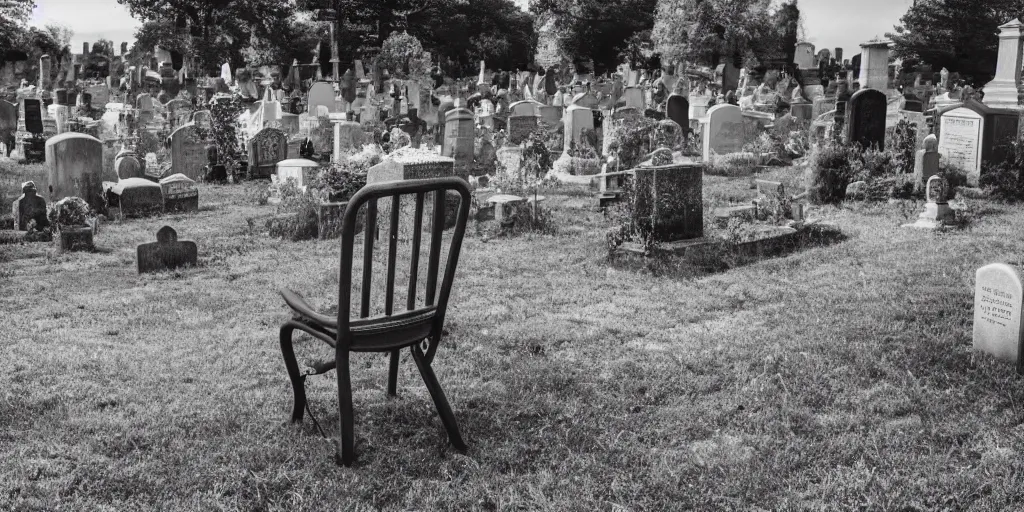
(298, 381)
(393, 374)
(346, 452)
(440, 401)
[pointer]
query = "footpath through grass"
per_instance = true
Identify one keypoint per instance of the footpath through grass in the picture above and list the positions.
(835, 377)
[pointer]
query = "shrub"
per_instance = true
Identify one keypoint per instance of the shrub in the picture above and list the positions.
(901, 142)
(830, 172)
(297, 218)
(340, 180)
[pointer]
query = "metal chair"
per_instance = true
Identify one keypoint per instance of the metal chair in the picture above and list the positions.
(419, 328)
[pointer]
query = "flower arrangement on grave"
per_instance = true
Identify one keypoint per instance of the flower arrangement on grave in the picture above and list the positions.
(340, 181)
(70, 212)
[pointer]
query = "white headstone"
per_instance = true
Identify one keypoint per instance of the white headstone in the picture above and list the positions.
(723, 131)
(997, 310)
(960, 134)
(576, 120)
(321, 93)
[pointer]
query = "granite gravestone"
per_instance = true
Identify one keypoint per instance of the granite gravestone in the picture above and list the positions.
(29, 207)
(136, 197)
(128, 165)
(180, 193)
(997, 312)
(865, 118)
(973, 133)
(75, 168)
(188, 153)
(723, 131)
(670, 198)
(167, 253)
(268, 147)
(677, 108)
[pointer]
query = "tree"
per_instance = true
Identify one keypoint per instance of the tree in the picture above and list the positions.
(13, 15)
(597, 30)
(958, 35)
(219, 29)
(495, 31)
(293, 38)
(705, 31)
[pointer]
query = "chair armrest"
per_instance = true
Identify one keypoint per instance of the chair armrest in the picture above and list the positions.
(301, 307)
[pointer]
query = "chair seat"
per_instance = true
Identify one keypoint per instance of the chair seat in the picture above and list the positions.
(373, 334)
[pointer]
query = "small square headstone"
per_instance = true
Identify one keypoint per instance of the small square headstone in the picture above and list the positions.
(167, 253)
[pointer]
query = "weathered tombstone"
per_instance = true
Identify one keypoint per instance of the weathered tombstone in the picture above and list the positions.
(300, 170)
(61, 96)
(669, 199)
(520, 127)
(268, 147)
(128, 165)
(865, 118)
(8, 125)
(926, 161)
(974, 133)
(136, 197)
(937, 212)
(576, 120)
(29, 207)
(997, 312)
(723, 131)
(167, 253)
(348, 136)
(188, 153)
(321, 136)
(180, 193)
(633, 97)
(178, 112)
(320, 94)
(75, 168)
(459, 136)
(677, 108)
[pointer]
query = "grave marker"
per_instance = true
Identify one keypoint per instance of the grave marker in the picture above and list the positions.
(188, 153)
(268, 147)
(180, 193)
(997, 312)
(865, 118)
(75, 168)
(167, 253)
(723, 131)
(960, 135)
(320, 94)
(677, 108)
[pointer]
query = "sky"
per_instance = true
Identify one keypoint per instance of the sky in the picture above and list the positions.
(829, 23)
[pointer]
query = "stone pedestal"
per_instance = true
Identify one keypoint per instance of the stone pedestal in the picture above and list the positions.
(874, 66)
(1001, 92)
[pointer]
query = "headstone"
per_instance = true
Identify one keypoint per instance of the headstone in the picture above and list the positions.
(268, 147)
(203, 120)
(188, 152)
(997, 312)
(551, 115)
(127, 165)
(348, 136)
(633, 97)
(298, 169)
(576, 120)
(8, 125)
(167, 253)
(960, 138)
(723, 131)
(33, 110)
(137, 197)
(520, 127)
(75, 168)
(180, 193)
(926, 161)
(677, 108)
(804, 55)
(29, 207)
(865, 118)
(670, 198)
(320, 94)
(459, 136)
(874, 66)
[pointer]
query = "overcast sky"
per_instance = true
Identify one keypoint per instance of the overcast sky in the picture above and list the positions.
(829, 23)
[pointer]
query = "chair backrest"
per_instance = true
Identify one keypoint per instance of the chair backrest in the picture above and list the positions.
(436, 297)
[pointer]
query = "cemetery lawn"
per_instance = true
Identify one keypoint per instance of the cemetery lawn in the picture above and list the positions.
(834, 377)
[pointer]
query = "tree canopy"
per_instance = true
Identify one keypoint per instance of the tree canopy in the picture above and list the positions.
(750, 32)
(959, 35)
(598, 30)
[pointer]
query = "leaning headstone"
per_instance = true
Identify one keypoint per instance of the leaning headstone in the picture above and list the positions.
(188, 153)
(320, 94)
(180, 193)
(75, 168)
(723, 131)
(167, 253)
(29, 207)
(268, 147)
(137, 197)
(997, 312)
(677, 108)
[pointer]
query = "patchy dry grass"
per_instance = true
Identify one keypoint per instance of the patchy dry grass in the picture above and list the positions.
(836, 377)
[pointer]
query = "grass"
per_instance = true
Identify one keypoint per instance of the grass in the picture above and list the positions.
(837, 377)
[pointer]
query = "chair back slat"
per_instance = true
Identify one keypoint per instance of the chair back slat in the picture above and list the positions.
(436, 229)
(389, 293)
(369, 232)
(364, 205)
(414, 263)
